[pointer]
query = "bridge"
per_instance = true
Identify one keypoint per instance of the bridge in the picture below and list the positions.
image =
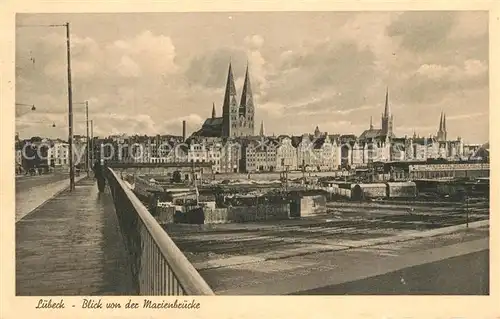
(89, 243)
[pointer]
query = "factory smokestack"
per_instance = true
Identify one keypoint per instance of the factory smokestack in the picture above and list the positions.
(183, 131)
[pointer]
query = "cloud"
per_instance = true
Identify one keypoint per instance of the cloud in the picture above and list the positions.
(254, 42)
(470, 68)
(209, 69)
(128, 68)
(422, 31)
(155, 53)
(145, 53)
(434, 71)
(466, 116)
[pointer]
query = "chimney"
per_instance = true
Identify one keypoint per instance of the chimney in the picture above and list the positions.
(183, 131)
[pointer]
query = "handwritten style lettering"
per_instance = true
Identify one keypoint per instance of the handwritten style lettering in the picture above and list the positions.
(92, 304)
(176, 304)
(49, 304)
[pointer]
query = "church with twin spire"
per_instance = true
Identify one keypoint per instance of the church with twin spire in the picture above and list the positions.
(237, 120)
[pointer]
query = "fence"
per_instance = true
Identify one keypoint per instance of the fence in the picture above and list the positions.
(158, 266)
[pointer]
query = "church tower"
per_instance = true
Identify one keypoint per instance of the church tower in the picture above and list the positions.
(238, 120)
(387, 118)
(441, 134)
(229, 106)
(317, 132)
(246, 110)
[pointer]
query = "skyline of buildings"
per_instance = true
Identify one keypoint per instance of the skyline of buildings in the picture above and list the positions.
(229, 142)
(334, 78)
(238, 120)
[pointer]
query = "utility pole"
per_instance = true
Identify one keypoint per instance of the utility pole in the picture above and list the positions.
(286, 178)
(88, 137)
(192, 170)
(304, 172)
(92, 142)
(70, 114)
(467, 210)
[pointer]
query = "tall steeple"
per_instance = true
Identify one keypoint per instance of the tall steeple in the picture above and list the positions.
(246, 103)
(261, 133)
(317, 132)
(441, 123)
(387, 109)
(247, 109)
(229, 107)
(387, 118)
(371, 123)
(441, 136)
(213, 110)
(230, 87)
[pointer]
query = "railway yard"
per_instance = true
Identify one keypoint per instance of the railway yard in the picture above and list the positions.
(377, 230)
(342, 237)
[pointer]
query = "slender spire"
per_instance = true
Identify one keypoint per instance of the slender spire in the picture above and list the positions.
(441, 122)
(213, 111)
(230, 87)
(246, 94)
(371, 123)
(261, 128)
(229, 103)
(387, 110)
(317, 132)
(444, 122)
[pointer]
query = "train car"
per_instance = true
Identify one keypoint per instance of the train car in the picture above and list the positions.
(401, 190)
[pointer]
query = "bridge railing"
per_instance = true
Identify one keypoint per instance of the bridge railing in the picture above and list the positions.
(158, 266)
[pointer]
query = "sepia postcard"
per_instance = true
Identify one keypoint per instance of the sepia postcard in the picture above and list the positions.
(159, 160)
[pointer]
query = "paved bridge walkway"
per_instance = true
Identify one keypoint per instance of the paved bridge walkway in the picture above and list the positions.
(72, 245)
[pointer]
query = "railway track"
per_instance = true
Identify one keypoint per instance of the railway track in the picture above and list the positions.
(288, 236)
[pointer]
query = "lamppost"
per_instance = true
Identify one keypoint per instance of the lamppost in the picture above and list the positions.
(70, 98)
(86, 103)
(35, 122)
(33, 108)
(465, 204)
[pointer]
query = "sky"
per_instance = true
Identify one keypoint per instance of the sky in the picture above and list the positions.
(143, 73)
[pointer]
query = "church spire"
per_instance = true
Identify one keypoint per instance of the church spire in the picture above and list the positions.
(371, 123)
(317, 132)
(444, 122)
(261, 128)
(441, 122)
(213, 111)
(387, 110)
(230, 87)
(246, 94)
(229, 105)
